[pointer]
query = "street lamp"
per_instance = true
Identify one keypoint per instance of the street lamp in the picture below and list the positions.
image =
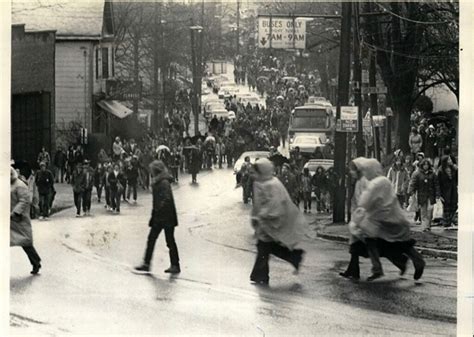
(197, 73)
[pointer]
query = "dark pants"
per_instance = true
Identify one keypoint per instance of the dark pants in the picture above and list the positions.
(170, 242)
(174, 172)
(193, 176)
(44, 204)
(99, 192)
(132, 186)
(115, 195)
(86, 200)
(307, 200)
(392, 251)
(260, 269)
(32, 255)
(107, 196)
(59, 172)
(77, 201)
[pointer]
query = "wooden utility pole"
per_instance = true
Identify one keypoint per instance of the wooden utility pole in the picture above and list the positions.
(357, 76)
(156, 88)
(237, 49)
(343, 99)
(374, 103)
(194, 91)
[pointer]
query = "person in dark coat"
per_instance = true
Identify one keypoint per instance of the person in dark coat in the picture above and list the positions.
(114, 180)
(60, 164)
(77, 182)
(45, 184)
(21, 233)
(425, 183)
(319, 183)
(194, 163)
(448, 185)
(163, 217)
(87, 187)
(98, 180)
(132, 178)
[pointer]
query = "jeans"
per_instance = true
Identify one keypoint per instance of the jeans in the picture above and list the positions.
(426, 212)
(77, 201)
(99, 191)
(115, 195)
(32, 255)
(86, 200)
(307, 200)
(59, 172)
(132, 186)
(261, 269)
(170, 242)
(44, 204)
(108, 201)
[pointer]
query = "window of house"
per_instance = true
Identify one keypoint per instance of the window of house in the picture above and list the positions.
(105, 63)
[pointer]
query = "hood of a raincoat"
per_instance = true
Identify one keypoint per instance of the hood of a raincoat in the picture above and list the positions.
(369, 167)
(265, 168)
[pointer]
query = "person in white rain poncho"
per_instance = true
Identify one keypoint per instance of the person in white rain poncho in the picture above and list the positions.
(278, 224)
(364, 170)
(379, 216)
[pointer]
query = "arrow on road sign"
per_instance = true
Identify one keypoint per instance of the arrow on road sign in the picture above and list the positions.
(263, 41)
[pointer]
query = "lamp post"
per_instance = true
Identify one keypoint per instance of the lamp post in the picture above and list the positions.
(197, 73)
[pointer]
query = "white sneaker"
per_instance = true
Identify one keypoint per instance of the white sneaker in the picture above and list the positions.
(40, 217)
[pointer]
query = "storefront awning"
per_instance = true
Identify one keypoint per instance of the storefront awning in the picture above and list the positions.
(115, 108)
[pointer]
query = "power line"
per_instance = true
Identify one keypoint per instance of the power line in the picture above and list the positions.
(412, 20)
(416, 57)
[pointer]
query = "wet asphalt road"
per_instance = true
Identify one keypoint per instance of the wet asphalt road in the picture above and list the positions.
(86, 285)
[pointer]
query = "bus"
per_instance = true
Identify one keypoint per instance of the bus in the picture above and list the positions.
(312, 119)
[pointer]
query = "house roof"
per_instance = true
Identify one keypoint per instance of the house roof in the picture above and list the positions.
(82, 19)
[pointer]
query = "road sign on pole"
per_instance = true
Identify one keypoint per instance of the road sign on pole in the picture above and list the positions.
(281, 33)
(349, 119)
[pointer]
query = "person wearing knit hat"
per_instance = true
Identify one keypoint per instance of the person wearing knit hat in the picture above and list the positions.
(278, 224)
(163, 217)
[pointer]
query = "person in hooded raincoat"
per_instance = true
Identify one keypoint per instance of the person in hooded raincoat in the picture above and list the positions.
(21, 233)
(163, 217)
(278, 224)
(379, 216)
(364, 170)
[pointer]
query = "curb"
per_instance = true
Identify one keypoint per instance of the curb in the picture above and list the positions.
(431, 252)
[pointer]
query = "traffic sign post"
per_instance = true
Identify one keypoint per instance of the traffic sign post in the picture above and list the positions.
(281, 33)
(349, 119)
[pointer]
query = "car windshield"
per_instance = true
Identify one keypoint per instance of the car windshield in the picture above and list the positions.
(307, 140)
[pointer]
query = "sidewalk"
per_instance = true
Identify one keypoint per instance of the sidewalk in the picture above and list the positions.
(438, 243)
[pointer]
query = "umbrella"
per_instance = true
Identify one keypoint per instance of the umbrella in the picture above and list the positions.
(291, 90)
(210, 139)
(280, 98)
(262, 78)
(301, 87)
(162, 147)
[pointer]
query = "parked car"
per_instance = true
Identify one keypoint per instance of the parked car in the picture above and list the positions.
(253, 101)
(211, 107)
(253, 156)
(313, 164)
(219, 112)
(307, 143)
(227, 89)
